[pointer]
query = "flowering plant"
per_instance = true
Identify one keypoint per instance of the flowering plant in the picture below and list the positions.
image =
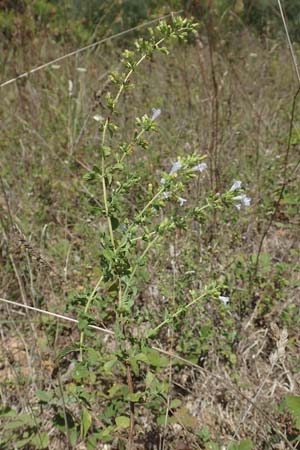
(129, 234)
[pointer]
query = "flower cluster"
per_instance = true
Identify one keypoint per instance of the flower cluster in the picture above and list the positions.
(241, 199)
(155, 113)
(200, 167)
(176, 167)
(224, 300)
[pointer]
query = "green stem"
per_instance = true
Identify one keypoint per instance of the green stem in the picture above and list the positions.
(150, 244)
(141, 237)
(115, 101)
(137, 137)
(158, 193)
(177, 313)
(104, 188)
(130, 73)
(86, 308)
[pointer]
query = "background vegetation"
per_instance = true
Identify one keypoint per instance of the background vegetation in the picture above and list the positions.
(80, 21)
(219, 287)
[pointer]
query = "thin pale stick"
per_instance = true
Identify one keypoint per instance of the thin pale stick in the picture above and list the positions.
(87, 47)
(58, 316)
(289, 40)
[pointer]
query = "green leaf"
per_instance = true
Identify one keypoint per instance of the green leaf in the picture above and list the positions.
(150, 380)
(22, 442)
(7, 412)
(105, 150)
(110, 411)
(14, 425)
(118, 166)
(134, 365)
(108, 366)
(161, 420)
(122, 422)
(114, 389)
(203, 434)
(44, 396)
(82, 324)
(93, 355)
(212, 446)
(86, 421)
(155, 359)
(154, 385)
(245, 444)
(135, 396)
(92, 443)
(70, 429)
(107, 431)
(293, 404)
(175, 403)
(73, 436)
(81, 372)
(21, 421)
(114, 223)
(141, 357)
(108, 254)
(40, 441)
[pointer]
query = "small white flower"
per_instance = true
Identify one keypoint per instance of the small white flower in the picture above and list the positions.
(175, 167)
(200, 167)
(166, 194)
(182, 201)
(236, 185)
(81, 69)
(162, 181)
(224, 300)
(106, 447)
(98, 118)
(70, 87)
(242, 200)
(155, 113)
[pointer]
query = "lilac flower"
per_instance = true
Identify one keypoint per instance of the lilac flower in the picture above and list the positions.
(175, 167)
(182, 201)
(224, 300)
(155, 113)
(242, 200)
(200, 167)
(236, 185)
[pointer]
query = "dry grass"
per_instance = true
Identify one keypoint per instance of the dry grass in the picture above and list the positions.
(48, 233)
